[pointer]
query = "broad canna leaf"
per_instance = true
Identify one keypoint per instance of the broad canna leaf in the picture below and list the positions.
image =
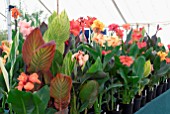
(134, 50)
(58, 30)
(88, 94)
(60, 90)
(32, 42)
(42, 58)
(147, 68)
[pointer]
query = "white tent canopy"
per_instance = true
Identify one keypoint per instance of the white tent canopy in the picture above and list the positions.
(136, 12)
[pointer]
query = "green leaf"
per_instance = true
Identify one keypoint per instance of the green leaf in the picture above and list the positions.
(123, 75)
(68, 64)
(148, 53)
(44, 95)
(52, 17)
(163, 70)
(147, 68)
(156, 63)
(50, 111)
(25, 102)
(134, 50)
(133, 79)
(129, 36)
(58, 30)
(60, 89)
(92, 52)
(5, 74)
(97, 66)
(138, 67)
(89, 92)
(113, 86)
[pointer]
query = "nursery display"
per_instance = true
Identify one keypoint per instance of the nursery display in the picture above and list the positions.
(55, 68)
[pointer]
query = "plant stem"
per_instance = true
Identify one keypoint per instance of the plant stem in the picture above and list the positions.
(10, 108)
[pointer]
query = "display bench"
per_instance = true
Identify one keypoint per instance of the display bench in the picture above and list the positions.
(159, 105)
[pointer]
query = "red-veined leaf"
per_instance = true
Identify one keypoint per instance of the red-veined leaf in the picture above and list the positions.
(60, 90)
(42, 57)
(32, 42)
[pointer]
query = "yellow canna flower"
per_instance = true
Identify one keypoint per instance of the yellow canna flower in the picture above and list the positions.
(162, 55)
(113, 41)
(97, 26)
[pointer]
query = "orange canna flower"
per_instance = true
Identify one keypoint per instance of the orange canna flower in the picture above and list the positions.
(97, 26)
(126, 26)
(162, 55)
(126, 60)
(23, 77)
(34, 78)
(29, 86)
(167, 60)
(15, 13)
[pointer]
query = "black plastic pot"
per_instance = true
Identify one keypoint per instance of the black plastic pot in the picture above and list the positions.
(149, 96)
(127, 108)
(159, 89)
(137, 103)
(113, 112)
(154, 92)
(164, 87)
(168, 80)
(143, 101)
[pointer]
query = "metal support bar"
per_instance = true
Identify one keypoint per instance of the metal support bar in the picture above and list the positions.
(45, 6)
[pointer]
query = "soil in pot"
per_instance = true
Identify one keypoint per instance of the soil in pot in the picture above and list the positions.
(127, 108)
(159, 90)
(137, 103)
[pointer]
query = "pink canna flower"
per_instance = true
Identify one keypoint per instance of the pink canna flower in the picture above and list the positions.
(141, 45)
(126, 26)
(113, 27)
(25, 28)
(126, 60)
(160, 44)
(167, 60)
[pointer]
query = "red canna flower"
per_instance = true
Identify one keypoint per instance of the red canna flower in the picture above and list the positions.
(119, 33)
(126, 60)
(89, 21)
(113, 27)
(169, 46)
(126, 26)
(167, 60)
(74, 27)
(15, 13)
(141, 45)
(105, 52)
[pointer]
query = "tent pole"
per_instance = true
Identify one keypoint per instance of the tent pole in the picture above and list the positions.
(9, 21)
(120, 13)
(57, 7)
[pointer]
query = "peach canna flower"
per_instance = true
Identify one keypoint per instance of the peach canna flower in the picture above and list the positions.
(29, 86)
(34, 78)
(114, 41)
(126, 60)
(167, 60)
(160, 44)
(15, 13)
(141, 45)
(99, 38)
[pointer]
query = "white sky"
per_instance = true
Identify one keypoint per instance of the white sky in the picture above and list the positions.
(134, 11)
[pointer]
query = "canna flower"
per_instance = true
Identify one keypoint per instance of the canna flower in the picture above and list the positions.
(97, 26)
(119, 33)
(99, 38)
(89, 21)
(80, 57)
(74, 27)
(169, 46)
(114, 41)
(141, 45)
(15, 13)
(160, 44)
(167, 60)
(5, 47)
(126, 26)
(162, 55)
(105, 52)
(126, 60)
(113, 27)
(25, 28)
(27, 81)
(137, 34)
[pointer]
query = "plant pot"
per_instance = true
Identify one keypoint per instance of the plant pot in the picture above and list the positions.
(154, 92)
(113, 112)
(127, 108)
(164, 87)
(159, 90)
(149, 96)
(137, 103)
(168, 80)
(143, 101)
